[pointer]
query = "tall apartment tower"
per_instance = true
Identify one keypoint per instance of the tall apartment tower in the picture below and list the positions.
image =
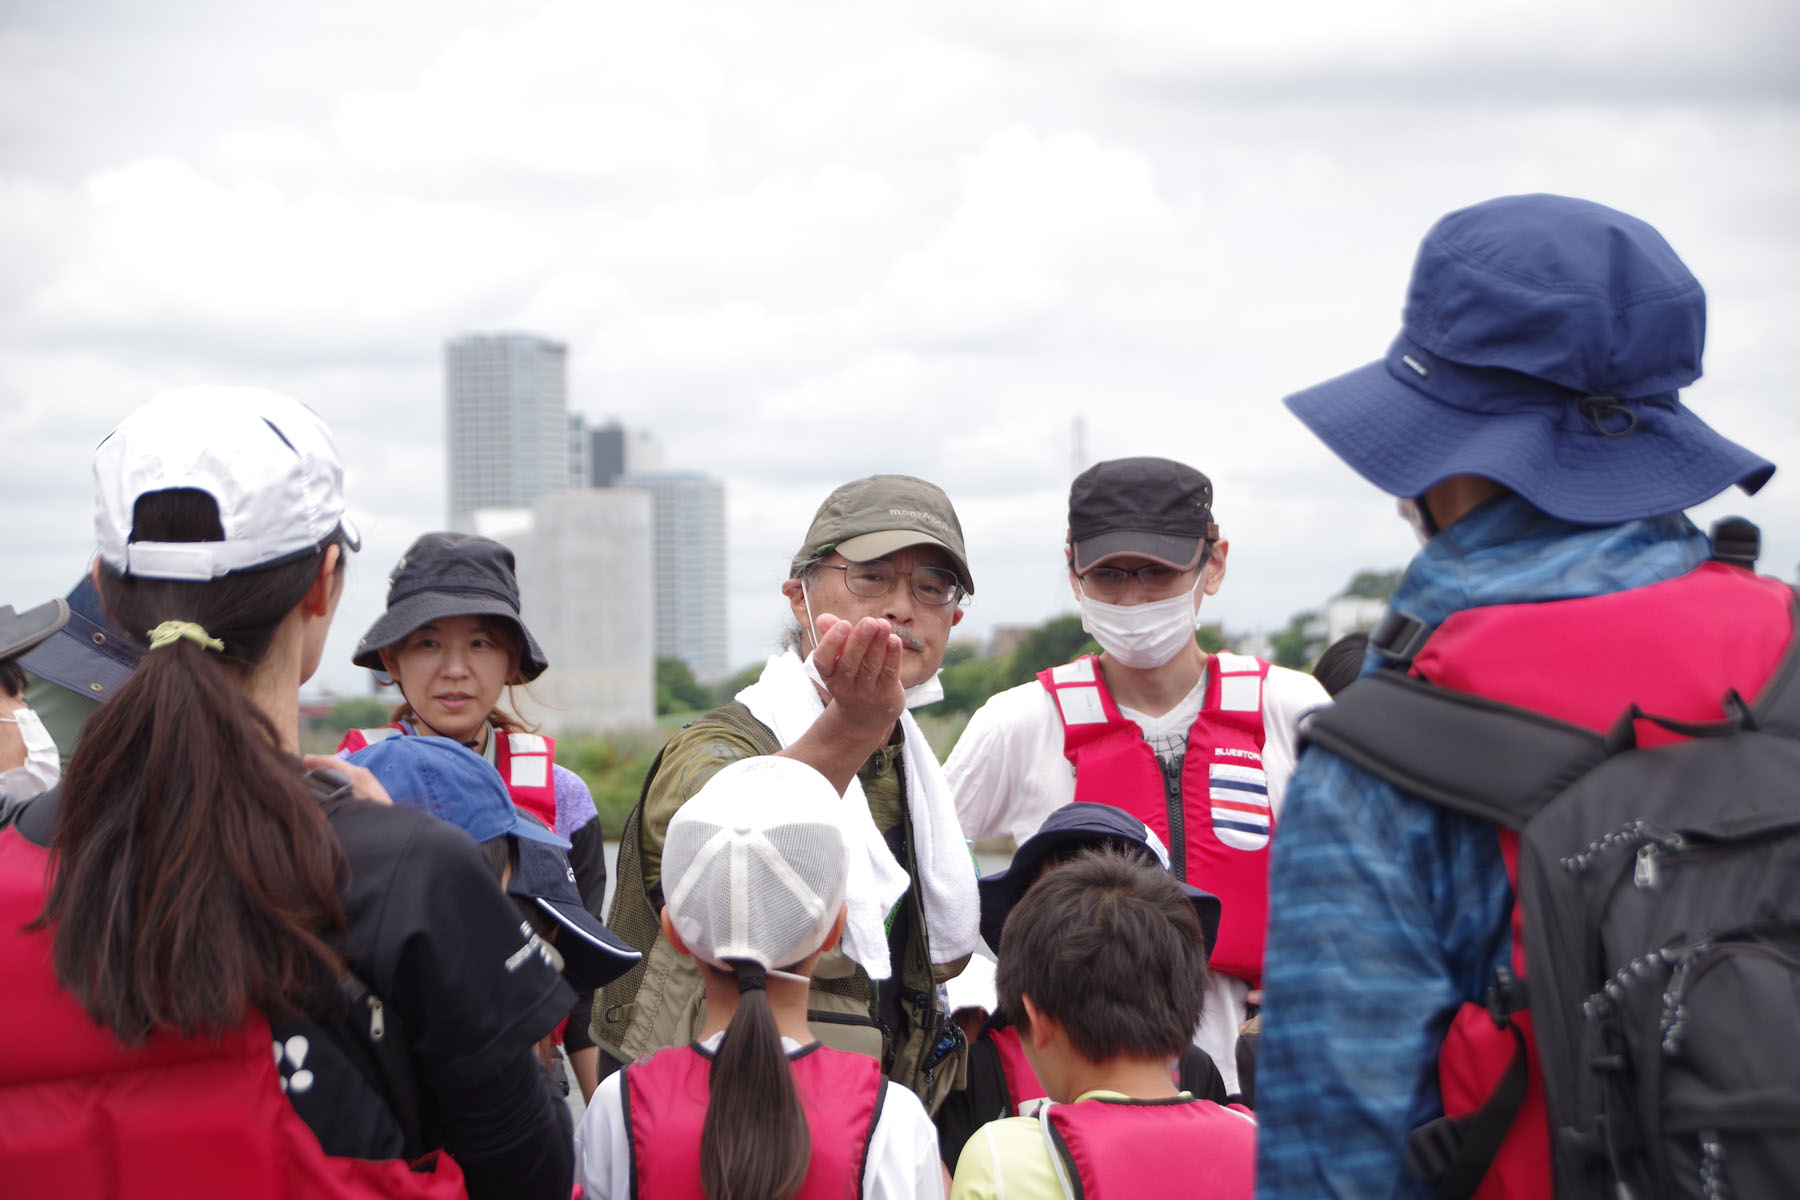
(687, 567)
(507, 421)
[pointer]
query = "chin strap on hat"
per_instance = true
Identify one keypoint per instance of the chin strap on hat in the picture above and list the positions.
(170, 632)
(1598, 408)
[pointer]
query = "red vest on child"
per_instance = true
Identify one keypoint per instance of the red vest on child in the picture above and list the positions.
(665, 1109)
(82, 1115)
(1218, 834)
(1132, 1149)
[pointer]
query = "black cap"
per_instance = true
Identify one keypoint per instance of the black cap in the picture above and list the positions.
(592, 954)
(1154, 507)
(19, 632)
(1070, 830)
(450, 575)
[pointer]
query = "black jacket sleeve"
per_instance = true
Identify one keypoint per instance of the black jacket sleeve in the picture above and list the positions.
(511, 1134)
(587, 855)
(981, 1099)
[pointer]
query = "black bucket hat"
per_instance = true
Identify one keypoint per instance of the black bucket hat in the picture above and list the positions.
(1070, 830)
(450, 575)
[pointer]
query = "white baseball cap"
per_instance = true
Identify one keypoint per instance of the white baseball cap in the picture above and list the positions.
(755, 864)
(267, 460)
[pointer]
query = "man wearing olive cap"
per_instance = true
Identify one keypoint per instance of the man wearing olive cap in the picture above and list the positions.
(874, 591)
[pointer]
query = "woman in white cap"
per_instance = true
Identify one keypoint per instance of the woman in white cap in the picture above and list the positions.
(225, 975)
(756, 1109)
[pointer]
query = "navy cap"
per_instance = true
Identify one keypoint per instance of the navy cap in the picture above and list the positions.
(1070, 830)
(1542, 345)
(453, 783)
(593, 955)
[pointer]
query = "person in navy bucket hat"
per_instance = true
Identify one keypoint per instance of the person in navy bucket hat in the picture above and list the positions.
(1528, 418)
(1542, 346)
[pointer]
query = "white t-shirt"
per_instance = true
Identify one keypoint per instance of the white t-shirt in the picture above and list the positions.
(1008, 772)
(903, 1160)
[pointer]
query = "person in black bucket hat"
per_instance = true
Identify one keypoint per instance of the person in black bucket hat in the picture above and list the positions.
(1528, 420)
(1001, 1082)
(452, 639)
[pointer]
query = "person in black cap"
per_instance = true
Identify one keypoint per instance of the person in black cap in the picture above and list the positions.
(874, 591)
(28, 760)
(1197, 746)
(452, 640)
(1528, 422)
(1001, 1082)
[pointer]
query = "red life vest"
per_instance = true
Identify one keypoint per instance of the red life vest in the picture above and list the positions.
(1131, 1149)
(665, 1110)
(1218, 835)
(523, 759)
(1023, 1091)
(81, 1115)
(1585, 661)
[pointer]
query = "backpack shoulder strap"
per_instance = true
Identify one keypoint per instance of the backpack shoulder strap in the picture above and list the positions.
(1460, 751)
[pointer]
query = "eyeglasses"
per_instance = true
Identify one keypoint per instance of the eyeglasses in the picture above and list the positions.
(1108, 583)
(931, 586)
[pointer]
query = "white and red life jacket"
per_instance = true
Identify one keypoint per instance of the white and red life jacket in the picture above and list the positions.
(665, 1110)
(524, 760)
(1130, 1149)
(1218, 832)
(1674, 648)
(82, 1115)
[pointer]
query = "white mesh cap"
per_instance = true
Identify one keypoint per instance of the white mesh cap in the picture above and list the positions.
(268, 461)
(754, 864)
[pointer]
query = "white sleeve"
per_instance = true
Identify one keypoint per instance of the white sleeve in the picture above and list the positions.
(1288, 695)
(1007, 771)
(602, 1147)
(903, 1158)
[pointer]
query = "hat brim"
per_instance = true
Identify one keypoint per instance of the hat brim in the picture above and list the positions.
(593, 955)
(867, 546)
(1405, 442)
(422, 608)
(19, 632)
(1172, 550)
(529, 829)
(1001, 892)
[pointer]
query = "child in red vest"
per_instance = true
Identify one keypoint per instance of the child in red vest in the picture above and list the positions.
(1103, 968)
(755, 866)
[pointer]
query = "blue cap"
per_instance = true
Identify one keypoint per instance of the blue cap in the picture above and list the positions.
(1542, 345)
(452, 783)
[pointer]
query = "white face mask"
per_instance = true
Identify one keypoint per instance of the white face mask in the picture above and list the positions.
(928, 691)
(1141, 636)
(42, 766)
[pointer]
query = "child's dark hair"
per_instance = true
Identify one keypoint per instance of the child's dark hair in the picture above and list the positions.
(1109, 946)
(756, 1143)
(1341, 663)
(195, 876)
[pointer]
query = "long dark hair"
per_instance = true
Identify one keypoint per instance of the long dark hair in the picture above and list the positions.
(194, 876)
(756, 1142)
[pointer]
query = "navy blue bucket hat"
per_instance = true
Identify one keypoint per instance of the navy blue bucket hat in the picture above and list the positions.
(1068, 831)
(1542, 345)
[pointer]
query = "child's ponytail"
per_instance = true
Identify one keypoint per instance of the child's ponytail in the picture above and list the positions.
(756, 1143)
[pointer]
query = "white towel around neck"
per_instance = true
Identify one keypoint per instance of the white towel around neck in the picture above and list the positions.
(784, 699)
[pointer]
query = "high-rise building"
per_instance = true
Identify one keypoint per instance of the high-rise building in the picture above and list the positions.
(687, 566)
(507, 423)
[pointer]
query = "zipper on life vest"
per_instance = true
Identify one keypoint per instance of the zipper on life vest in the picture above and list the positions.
(377, 1019)
(1171, 771)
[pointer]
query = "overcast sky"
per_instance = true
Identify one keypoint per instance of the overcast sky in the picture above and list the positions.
(803, 242)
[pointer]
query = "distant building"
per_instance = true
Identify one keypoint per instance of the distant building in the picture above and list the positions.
(506, 421)
(1349, 614)
(585, 579)
(688, 567)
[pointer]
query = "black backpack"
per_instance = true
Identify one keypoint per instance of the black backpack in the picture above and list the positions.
(1661, 894)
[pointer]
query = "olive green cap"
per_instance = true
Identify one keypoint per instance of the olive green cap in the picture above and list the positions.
(873, 517)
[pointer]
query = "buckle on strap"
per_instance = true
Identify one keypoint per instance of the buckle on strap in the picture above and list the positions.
(1506, 996)
(1433, 1146)
(1399, 636)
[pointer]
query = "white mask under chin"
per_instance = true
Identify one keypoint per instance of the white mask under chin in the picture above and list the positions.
(42, 767)
(1142, 636)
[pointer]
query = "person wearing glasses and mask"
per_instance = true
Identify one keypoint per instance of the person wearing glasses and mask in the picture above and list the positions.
(874, 592)
(1197, 746)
